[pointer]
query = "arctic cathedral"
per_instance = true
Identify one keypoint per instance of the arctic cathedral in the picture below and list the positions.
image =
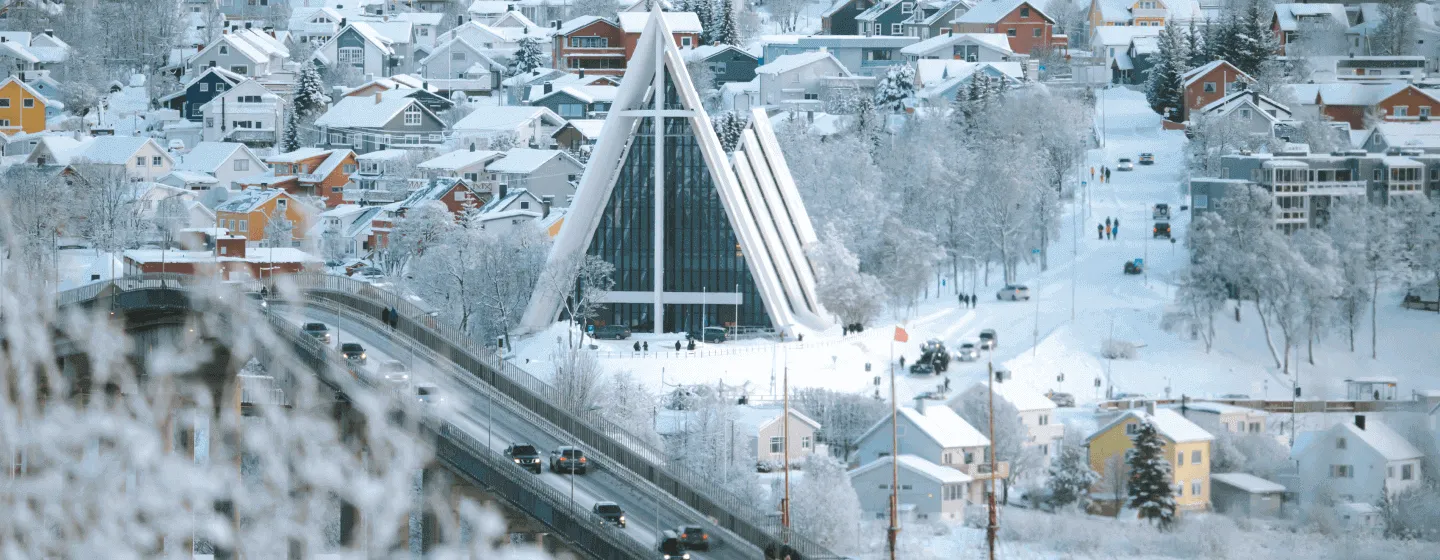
(698, 237)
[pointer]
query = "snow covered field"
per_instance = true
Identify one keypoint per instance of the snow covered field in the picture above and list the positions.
(1082, 300)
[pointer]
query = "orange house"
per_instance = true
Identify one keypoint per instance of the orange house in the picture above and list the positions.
(1408, 104)
(308, 172)
(602, 46)
(22, 109)
(1028, 29)
(1208, 83)
(248, 212)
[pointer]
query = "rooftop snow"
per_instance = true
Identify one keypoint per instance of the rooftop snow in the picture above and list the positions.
(678, 22)
(114, 150)
(938, 473)
(247, 200)
(505, 118)
(943, 425)
(207, 157)
(365, 111)
(997, 41)
(1221, 408)
(1168, 422)
(1199, 72)
(580, 22)
(391, 154)
(786, 63)
(1023, 398)
(1247, 482)
(1409, 134)
(1383, 439)
(458, 159)
(590, 128)
(297, 155)
(1289, 15)
(992, 10)
(1121, 35)
(523, 160)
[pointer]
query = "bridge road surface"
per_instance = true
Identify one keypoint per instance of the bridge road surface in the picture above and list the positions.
(469, 409)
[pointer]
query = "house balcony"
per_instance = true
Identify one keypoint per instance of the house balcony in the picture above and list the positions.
(1152, 13)
(252, 135)
(370, 197)
(1336, 188)
(982, 471)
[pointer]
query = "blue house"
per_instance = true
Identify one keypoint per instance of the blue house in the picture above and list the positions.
(726, 63)
(199, 91)
(886, 18)
(840, 18)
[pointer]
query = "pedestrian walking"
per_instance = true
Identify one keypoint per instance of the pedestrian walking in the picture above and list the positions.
(1100, 231)
(646, 346)
(1107, 175)
(902, 362)
(1108, 233)
(677, 346)
(637, 346)
(961, 299)
(1116, 230)
(1107, 221)
(972, 300)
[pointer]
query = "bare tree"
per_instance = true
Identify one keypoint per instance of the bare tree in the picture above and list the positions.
(582, 282)
(577, 379)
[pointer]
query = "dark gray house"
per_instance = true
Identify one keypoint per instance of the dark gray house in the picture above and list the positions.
(377, 122)
(727, 63)
(886, 18)
(578, 102)
(840, 18)
(1244, 495)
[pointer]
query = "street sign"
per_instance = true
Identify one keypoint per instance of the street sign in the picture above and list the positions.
(1035, 251)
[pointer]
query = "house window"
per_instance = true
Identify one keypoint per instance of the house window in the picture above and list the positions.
(907, 7)
(524, 205)
(28, 103)
(717, 67)
(1389, 472)
(1245, 113)
(348, 168)
(242, 165)
(777, 444)
(1379, 175)
(1180, 459)
(155, 161)
(339, 139)
(461, 195)
(1037, 31)
(4, 102)
(1025, 12)
(1407, 472)
(205, 87)
(572, 110)
(244, 225)
(1209, 87)
(140, 161)
(1339, 443)
(804, 442)
(1195, 457)
(354, 56)
(1180, 490)
(1044, 419)
(1402, 110)
(412, 116)
(685, 41)
(1195, 487)
(457, 56)
(1341, 471)
(1010, 32)
(224, 49)
(895, 29)
(240, 69)
(812, 96)
(1132, 429)
(589, 42)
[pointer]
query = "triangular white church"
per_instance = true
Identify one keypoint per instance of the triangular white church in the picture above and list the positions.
(720, 243)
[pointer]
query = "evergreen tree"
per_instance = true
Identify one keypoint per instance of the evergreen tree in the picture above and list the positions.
(725, 31)
(310, 98)
(528, 57)
(1162, 84)
(1253, 43)
(291, 140)
(1199, 49)
(1071, 478)
(1149, 483)
(974, 100)
(897, 86)
(705, 11)
(1221, 43)
(729, 126)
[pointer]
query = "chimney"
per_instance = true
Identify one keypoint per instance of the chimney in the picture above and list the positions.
(582, 72)
(459, 20)
(545, 203)
(1360, 421)
(378, 94)
(509, 7)
(1150, 407)
(50, 32)
(920, 405)
(472, 147)
(342, 20)
(557, 25)
(549, 87)
(504, 190)
(230, 246)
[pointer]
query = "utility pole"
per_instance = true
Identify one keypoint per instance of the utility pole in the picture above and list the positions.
(993, 528)
(785, 439)
(894, 531)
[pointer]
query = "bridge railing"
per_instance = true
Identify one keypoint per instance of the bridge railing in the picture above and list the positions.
(639, 456)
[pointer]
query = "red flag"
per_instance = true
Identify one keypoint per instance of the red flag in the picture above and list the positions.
(901, 335)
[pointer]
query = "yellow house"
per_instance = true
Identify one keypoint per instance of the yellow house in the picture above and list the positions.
(22, 109)
(1186, 445)
(1140, 13)
(248, 212)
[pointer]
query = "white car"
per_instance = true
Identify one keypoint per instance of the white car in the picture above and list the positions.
(1014, 292)
(1125, 165)
(968, 352)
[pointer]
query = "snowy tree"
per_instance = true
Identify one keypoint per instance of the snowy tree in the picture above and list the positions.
(853, 296)
(1061, 127)
(1151, 493)
(602, 8)
(582, 283)
(1253, 43)
(1215, 136)
(726, 32)
(1256, 454)
(422, 227)
(1071, 478)
(786, 13)
(170, 216)
(704, 11)
(1162, 83)
(1202, 291)
(704, 81)
(290, 141)
(109, 202)
(709, 445)
(1010, 434)
(843, 417)
(625, 401)
(1366, 232)
(279, 230)
(1195, 46)
(729, 126)
(897, 87)
(1002, 216)
(528, 57)
(823, 504)
(1419, 220)
(577, 379)
(481, 280)
(1298, 291)
(1394, 34)
(310, 99)
(1070, 17)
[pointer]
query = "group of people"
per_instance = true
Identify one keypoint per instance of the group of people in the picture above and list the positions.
(851, 328)
(1108, 230)
(968, 300)
(1104, 174)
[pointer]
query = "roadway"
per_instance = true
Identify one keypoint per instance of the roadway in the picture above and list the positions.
(467, 405)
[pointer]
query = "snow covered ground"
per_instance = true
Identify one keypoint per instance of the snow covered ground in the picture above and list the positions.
(1082, 300)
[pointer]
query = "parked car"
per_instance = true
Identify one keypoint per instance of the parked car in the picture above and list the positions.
(1134, 266)
(708, 334)
(428, 393)
(259, 297)
(353, 352)
(1063, 400)
(526, 456)
(1127, 396)
(671, 547)
(1161, 211)
(988, 339)
(694, 537)
(317, 330)
(1125, 165)
(610, 512)
(568, 459)
(1235, 396)
(1147, 159)
(1013, 292)
(1162, 229)
(393, 373)
(968, 352)
(614, 332)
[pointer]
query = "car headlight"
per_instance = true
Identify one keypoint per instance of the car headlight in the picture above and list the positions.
(622, 519)
(517, 461)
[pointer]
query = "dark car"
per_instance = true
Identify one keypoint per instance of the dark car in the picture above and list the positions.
(1147, 159)
(708, 334)
(671, 547)
(610, 512)
(694, 537)
(568, 459)
(525, 455)
(259, 297)
(317, 330)
(428, 393)
(988, 339)
(1162, 229)
(922, 368)
(1134, 267)
(354, 352)
(616, 332)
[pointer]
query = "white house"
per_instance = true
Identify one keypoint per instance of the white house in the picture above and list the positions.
(314, 25)
(459, 64)
(504, 214)
(142, 158)
(1037, 412)
(248, 113)
(363, 47)
(935, 433)
(464, 164)
(343, 232)
(1360, 461)
(224, 161)
(972, 47)
(1248, 112)
(798, 80)
(529, 126)
(248, 53)
(928, 492)
(548, 174)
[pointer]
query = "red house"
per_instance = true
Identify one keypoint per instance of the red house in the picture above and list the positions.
(1028, 28)
(308, 172)
(1355, 103)
(228, 261)
(1208, 83)
(598, 45)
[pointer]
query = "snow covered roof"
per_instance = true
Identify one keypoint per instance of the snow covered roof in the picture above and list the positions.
(263, 42)
(995, 41)
(1023, 398)
(1121, 35)
(298, 155)
(992, 10)
(580, 22)
(368, 33)
(332, 161)
(241, 46)
(1145, 45)
(248, 200)
(704, 52)
(537, 75)
(395, 31)
(1200, 72)
(391, 154)
(14, 49)
(1168, 422)
(505, 118)
(366, 111)
(192, 177)
(115, 150)
(874, 11)
(459, 159)
(1227, 104)
(524, 160)
(1289, 15)
(753, 417)
(30, 90)
(1409, 134)
(207, 157)
(944, 426)
(63, 149)
(489, 7)
(1221, 408)
(1351, 93)
(789, 62)
(679, 22)
(1247, 482)
(419, 18)
(938, 473)
(392, 82)
(590, 128)
(433, 190)
(1382, 438)
(587, 94)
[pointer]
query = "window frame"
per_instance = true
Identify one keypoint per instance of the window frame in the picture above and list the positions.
(777, 444)
(413, 110)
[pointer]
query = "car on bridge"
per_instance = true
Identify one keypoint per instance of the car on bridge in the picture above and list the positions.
(568, 459)
(317, 330)
(610, 512)
(428, 393)
(525, 455)
(354, 353)
(393, 373)
(694, 537)
(671, 547)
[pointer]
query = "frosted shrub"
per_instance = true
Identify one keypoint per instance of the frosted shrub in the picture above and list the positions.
(1118, 349)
